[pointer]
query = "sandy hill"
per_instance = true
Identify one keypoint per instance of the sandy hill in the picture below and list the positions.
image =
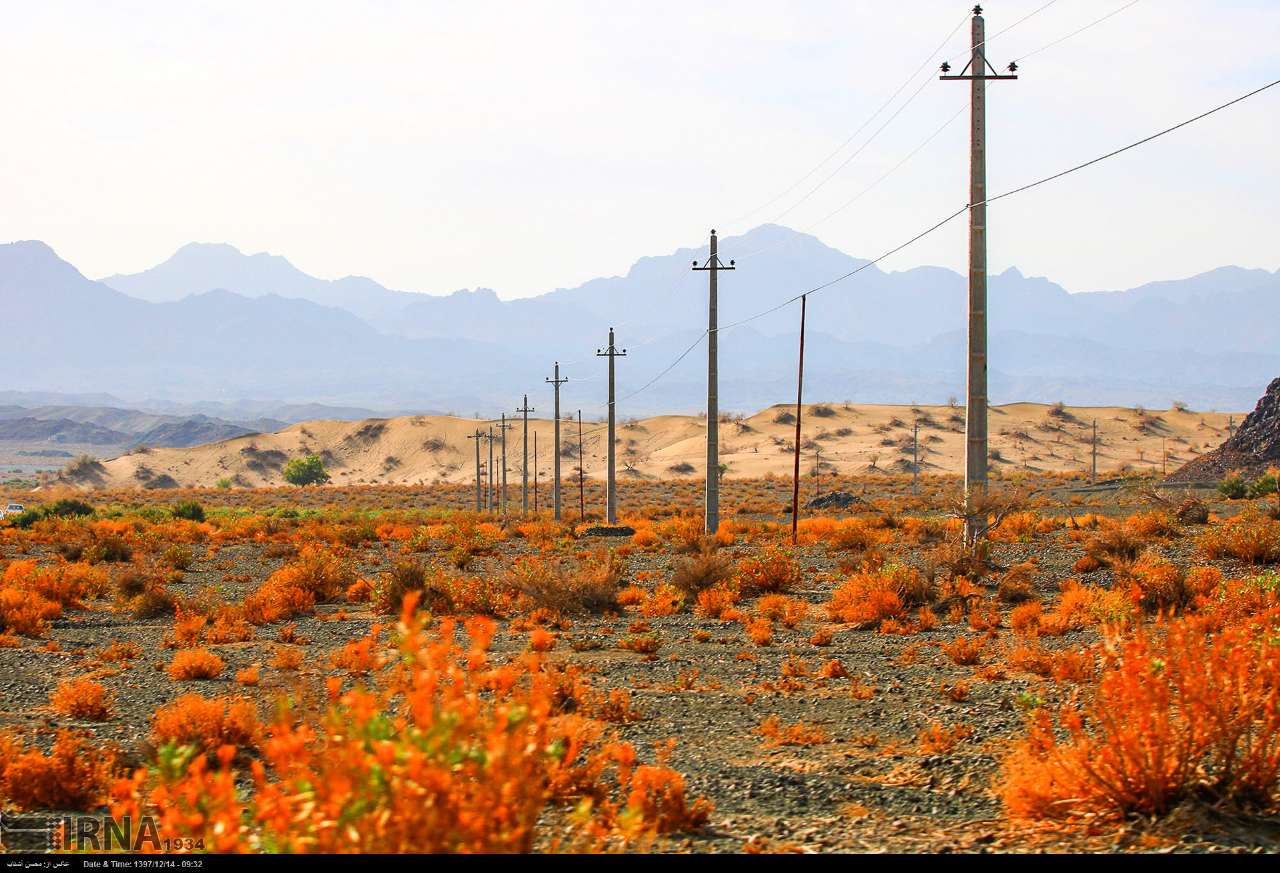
(843, 438)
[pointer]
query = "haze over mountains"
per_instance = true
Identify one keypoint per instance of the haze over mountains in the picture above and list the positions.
(213, 329)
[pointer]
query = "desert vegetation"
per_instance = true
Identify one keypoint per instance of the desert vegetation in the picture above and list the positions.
(250, 665)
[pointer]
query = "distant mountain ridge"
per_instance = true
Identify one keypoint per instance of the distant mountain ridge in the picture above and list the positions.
(227, 326)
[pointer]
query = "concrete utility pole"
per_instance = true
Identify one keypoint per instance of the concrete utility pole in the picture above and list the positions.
(1093, 449)
(502, 495)
(477, 436)
(712, 266)
(611, 485)
(795, 477)
(977, 72)
(582, 474)
(556, 382)
(524, 467)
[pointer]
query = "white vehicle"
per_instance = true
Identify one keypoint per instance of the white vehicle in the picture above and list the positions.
(13, 509)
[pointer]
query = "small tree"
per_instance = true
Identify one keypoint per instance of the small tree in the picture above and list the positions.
(306, 471)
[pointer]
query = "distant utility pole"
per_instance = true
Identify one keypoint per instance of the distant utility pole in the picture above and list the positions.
(977, 72)
(1093, 468)
(502, 495)
(524, 467)
(556, 382)
(1164, 456)
(477, 436)
(817, 467)
(795, 477)
(490, 489)
(582, 473)
(712, 266)
(611, 485)
(915, 456)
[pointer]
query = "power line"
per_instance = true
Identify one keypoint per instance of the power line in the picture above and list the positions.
(1076, 32)
(861, 127)
(962, 211)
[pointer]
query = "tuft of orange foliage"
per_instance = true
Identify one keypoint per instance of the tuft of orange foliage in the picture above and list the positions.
(798, 734)
(83, 699)
(475, 753)
(938, 740)
(775, 570)
(73, 776)
(1173, 716)
(191, 664)
(964, 650)
(206, 723)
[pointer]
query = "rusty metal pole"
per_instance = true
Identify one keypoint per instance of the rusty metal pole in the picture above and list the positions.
(795, 477)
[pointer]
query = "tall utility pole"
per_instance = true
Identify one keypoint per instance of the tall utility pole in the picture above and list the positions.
(977, 72)
(712, 266)
(477, 436)
(582, 473)
(795, 478)
(502, 495)
(556, 382)
(1093, 451)
(611, 484)
(535, 472)
(524, 467)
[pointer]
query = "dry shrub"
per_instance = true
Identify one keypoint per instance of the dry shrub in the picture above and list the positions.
(1250, 537)
(422, 785)
(964, 650)
(774, 570)
(1159, 584)
(798, 734)
(779, 607)
(288, 658)
(590, 586)
(73, 776)
(189, 664)
(1177, 716)
(82, 698)
(1016, 584)
(939, 740)
(1025, 618)
(759, 631)
(702, 571)
(361, 656)
(876, 593)
(663, 600)
(319, 574)
(206, 723)
(713, 602)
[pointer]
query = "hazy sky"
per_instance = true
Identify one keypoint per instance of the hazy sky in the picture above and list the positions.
(526, 146)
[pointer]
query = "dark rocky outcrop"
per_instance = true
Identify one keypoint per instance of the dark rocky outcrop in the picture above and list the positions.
(1253, 448)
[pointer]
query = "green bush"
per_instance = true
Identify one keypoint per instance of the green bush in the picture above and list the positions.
(67, 508)
(1263, 486)
(1233, 488)
(306, 471)
(224, 484)
(191, 510)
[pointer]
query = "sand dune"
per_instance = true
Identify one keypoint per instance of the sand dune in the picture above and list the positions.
(846, 438)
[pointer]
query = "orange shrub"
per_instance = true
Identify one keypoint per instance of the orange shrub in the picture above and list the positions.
(663, 600)
(1250, 537)
(83, 699)
(759, 630)
(775, 570)
(73, 776)
(713, 602)
(476, 754)
(1176, 716)
(874, 594)
(206, 723)
(195, 664)
(361, 656)
(938, 740)
(964, 650)
(798, 734)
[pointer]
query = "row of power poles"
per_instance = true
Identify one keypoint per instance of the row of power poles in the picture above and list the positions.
(977, 72)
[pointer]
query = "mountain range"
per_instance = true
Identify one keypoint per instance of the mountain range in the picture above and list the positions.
(214, 329)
